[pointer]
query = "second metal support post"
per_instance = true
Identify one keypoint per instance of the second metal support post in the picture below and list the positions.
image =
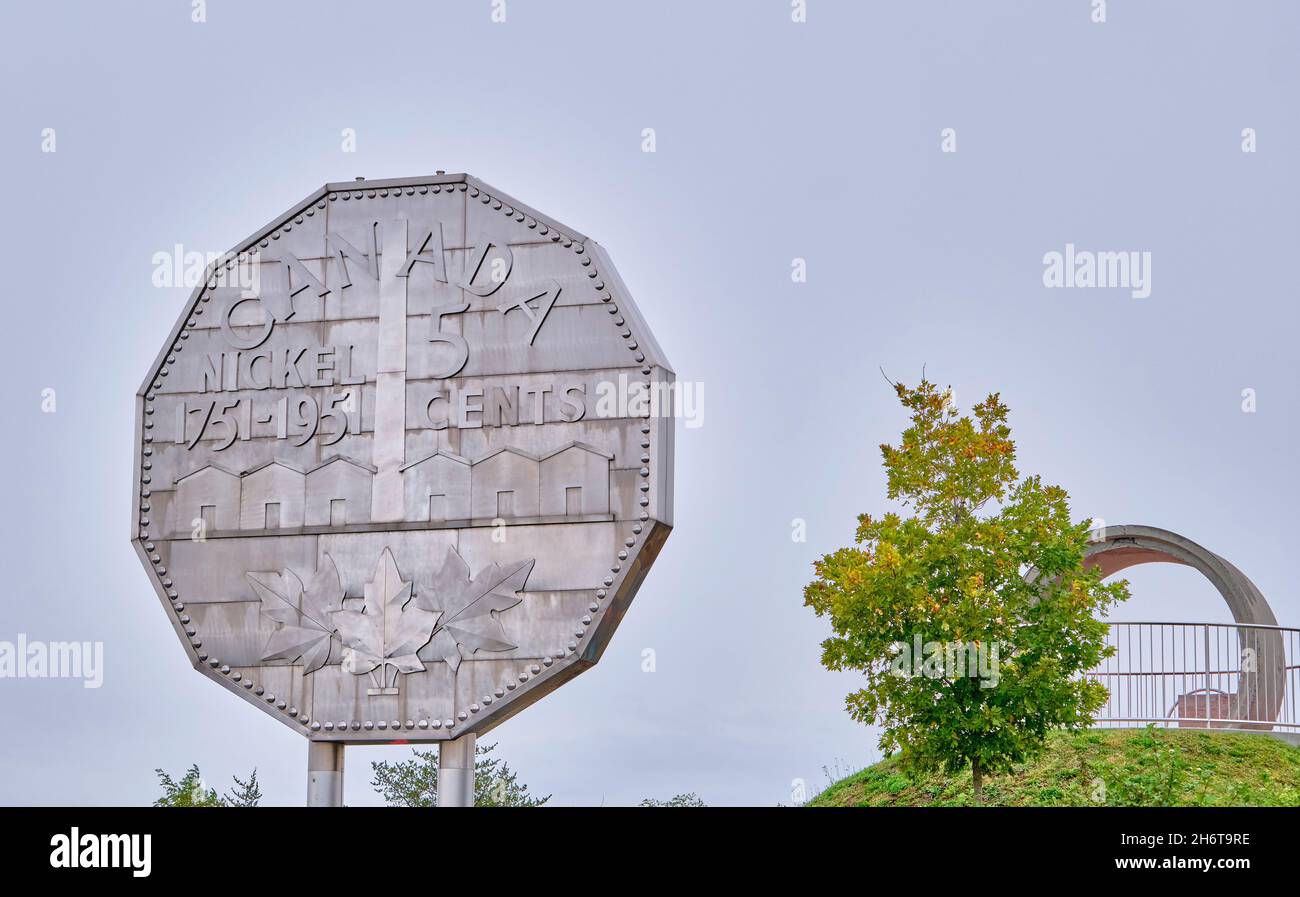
(324, 774)
(456, 772)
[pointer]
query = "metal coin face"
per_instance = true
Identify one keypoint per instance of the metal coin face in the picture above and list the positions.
(404, 461)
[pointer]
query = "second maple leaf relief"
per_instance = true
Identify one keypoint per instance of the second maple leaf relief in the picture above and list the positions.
(394, 626)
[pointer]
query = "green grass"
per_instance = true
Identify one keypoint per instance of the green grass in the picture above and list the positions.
(1102, 767)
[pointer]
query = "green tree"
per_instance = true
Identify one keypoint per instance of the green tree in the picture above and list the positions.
(986, 564)
(414, 783)
(690, 799)
(189, 791)
(245, 793)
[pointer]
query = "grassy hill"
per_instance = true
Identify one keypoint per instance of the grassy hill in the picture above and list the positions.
(1112, 767)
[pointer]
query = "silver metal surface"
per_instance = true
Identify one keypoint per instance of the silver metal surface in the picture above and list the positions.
(379, 495)
(456, 772)
(324, 774)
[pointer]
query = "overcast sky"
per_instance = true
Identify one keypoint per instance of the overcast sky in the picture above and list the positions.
(774, 141)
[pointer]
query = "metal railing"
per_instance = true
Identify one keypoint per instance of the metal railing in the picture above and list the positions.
(1202, 675)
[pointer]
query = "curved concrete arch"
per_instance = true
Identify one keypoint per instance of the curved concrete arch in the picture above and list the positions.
(1116, 548)
(1260, 692)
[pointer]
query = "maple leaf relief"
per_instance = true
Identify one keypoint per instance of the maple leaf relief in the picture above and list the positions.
(467, 607)
(389, 630)
(459, 615)
(304, 614)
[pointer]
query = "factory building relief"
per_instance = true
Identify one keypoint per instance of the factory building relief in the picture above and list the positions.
(570, 481)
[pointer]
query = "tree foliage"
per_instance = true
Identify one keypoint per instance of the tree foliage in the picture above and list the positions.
(414, 783)
(690, 799)
(188, 791)
(191, 791)
(984, 560)
(246, 793)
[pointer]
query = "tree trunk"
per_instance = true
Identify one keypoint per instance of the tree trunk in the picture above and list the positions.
(977, 780)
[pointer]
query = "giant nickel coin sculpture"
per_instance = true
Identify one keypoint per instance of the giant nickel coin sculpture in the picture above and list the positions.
(402, 464)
